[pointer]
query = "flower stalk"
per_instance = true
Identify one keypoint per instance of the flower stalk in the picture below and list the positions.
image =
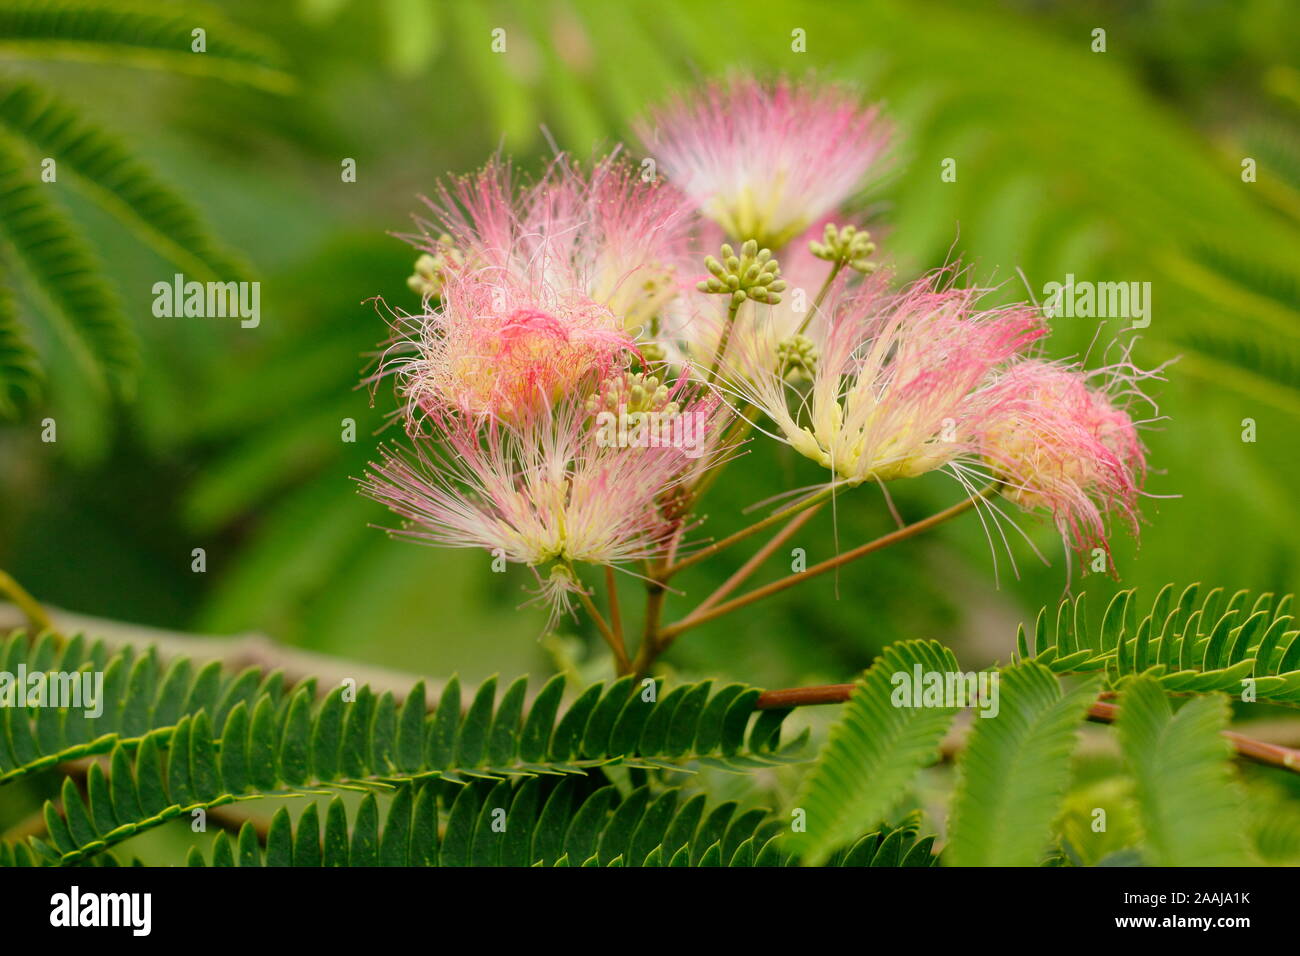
(697, 617)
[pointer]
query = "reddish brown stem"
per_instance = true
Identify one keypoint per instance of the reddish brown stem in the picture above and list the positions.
(1102, 712)
(697, 617)
(1260, 751)
(614, 641)
(804, 696)
(775, 518)
(754, 563)
(615, 615)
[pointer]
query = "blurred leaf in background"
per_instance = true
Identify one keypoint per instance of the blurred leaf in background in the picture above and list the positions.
(68, 323)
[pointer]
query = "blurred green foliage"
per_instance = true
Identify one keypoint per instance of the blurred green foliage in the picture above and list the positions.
(1115, 166)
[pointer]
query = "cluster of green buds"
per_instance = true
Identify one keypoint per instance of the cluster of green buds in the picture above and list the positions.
(796, 358)
(430, 269)
(753, 274)
(633, 394)
(846, 247)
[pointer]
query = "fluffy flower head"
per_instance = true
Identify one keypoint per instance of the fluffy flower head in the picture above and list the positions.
(548, 490)
(1062, 445)
(498, 349)
(901, 383)
(766, 160)
(606, 234)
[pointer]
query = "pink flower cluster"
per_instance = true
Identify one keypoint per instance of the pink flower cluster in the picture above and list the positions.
(535, 298)
(1060, 444)
(903, 380)
(927, 378)
(583, 294)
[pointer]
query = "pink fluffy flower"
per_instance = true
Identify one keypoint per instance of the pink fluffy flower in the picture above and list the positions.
(552, 490)
(1061, 445)
(496, 347)
(607, 233)
(903, 382)
(766, 160)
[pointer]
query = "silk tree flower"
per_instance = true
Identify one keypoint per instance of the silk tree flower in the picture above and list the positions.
(623, 237)
(547, 491)
(1065, 446)
(766, 160)
(606, 234)
(502, 349)
(903, 384)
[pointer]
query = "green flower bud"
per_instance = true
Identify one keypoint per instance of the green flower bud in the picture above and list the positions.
(847, 246)
(797, 358)
(753, 274)
(431, 269)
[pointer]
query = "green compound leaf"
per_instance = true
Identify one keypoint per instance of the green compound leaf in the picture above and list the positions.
(1189, 804)
(1014, 770)
(269, 743)
(875, 749)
